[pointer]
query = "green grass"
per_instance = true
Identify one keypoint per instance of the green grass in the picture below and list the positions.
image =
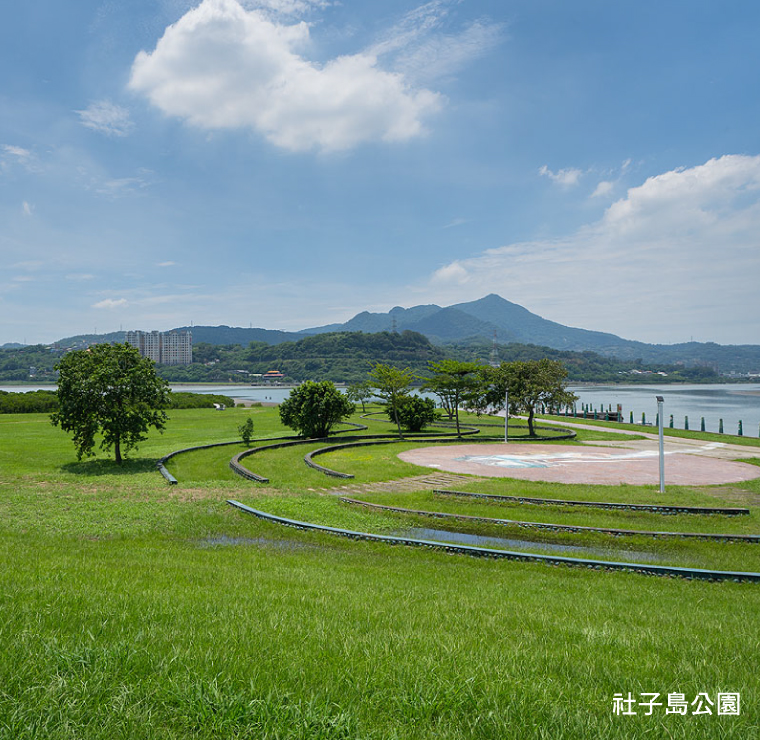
(123, 613)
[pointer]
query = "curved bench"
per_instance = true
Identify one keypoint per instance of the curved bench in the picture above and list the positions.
(161, 463)
(237, 467)
(381, 439)
(657, 508)
(750, 538)
(660, 570)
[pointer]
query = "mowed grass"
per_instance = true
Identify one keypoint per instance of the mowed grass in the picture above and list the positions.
(129, 608)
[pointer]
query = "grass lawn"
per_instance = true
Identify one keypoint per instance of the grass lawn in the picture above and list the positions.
(134, 609)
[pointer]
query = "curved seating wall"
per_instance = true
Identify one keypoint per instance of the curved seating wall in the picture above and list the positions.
(661, 570)
(749, 538)
(657, 508)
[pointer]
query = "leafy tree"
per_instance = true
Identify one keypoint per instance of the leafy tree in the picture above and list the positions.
(109, 389)
(529, 383)
(391, 384)
(453, 382)
(246, 431)
(360, 393)
(415, 412)
(313, 408)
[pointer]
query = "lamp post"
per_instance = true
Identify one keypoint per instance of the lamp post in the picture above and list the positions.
(506, 415)
(662, 443)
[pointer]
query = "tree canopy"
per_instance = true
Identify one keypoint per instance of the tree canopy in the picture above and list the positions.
(109, 389)
(529, 384)
(391, 384)
(414, 412)
(312, 409)
(453, 382)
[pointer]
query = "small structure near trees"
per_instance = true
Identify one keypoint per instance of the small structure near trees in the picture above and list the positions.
(312, 409)
(109, 389)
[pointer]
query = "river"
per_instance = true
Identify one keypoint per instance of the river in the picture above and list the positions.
(730, 402)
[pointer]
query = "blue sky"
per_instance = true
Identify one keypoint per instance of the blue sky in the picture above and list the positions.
(289, 163)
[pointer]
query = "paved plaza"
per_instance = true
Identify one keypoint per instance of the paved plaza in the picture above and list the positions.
(634, 462)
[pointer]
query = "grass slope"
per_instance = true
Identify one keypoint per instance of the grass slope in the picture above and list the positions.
(129, 608)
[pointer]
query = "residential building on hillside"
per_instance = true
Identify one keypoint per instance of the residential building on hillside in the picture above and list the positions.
(164, 348)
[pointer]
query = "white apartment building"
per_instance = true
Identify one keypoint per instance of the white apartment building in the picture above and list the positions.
(164, 348)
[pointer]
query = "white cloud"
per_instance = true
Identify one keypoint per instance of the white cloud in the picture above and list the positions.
(17, 151)
(168, 263)
(602, 189)
(222, 67)
(107, 118)
(679, 253)
(110, 303)
(27, 208)
(80, 276)
(566, 178)
(121, 186)
(444, 54)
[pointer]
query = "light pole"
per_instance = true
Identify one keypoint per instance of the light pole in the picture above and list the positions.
(662, 443)
(506, 415)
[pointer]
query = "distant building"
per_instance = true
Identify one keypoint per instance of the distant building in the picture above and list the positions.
(272, 376)
(164, 348)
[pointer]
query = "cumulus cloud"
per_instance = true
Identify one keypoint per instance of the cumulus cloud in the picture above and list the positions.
(566, 178)
(106, 118)
(27, 209)
(224, 67)
(110, 303)
(680, 251)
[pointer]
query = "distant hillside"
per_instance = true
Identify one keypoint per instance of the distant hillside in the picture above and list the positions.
(485, 319)
(341, 357)
(237, 335)
(85, 340)
(494, 317)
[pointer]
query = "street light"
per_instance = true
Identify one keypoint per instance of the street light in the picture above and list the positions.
(506, 415)
(660, 399)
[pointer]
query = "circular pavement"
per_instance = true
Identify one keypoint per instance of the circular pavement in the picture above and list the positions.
(576, 464)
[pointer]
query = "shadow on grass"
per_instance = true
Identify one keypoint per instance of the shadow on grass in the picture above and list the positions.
(129, 466)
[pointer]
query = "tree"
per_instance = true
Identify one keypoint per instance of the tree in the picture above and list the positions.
(391, 384)
(359, 393)
(453, 382)
(313, 408)
(529, 383)
(246, 431)
(415, 412)
(109, 389)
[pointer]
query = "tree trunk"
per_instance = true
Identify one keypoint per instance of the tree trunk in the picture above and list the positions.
(117, 451)
(531, 431)
(456, 411)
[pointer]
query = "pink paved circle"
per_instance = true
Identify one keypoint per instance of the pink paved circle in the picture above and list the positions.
(575, 464)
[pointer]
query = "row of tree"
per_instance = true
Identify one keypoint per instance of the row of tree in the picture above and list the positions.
(313, 408)
(111, 392)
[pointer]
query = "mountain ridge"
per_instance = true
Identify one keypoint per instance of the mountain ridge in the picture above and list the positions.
(486, 319)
